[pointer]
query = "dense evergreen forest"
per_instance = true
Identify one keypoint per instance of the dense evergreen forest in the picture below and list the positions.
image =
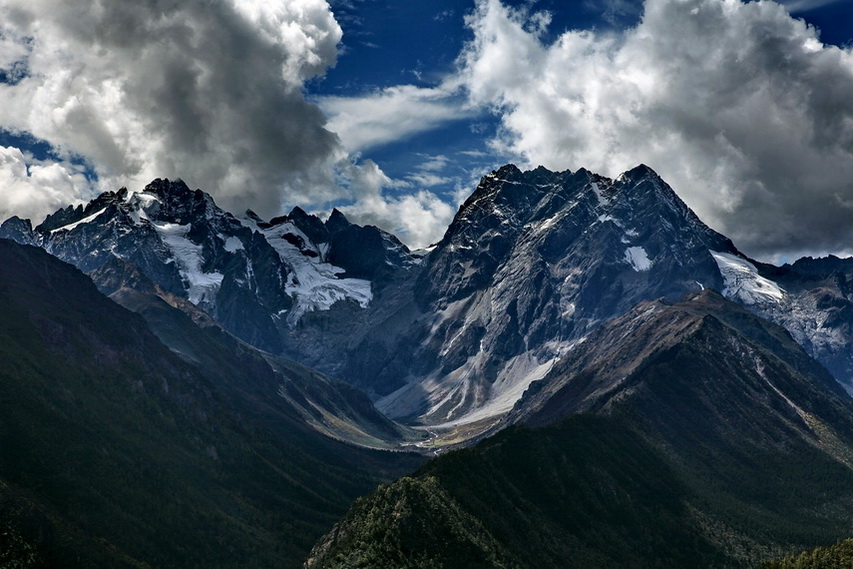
(838, 556)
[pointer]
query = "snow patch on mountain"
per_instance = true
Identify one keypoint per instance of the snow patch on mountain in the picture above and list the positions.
(142, 200)
(599, 194)
(232, 244)
(189, 258)
(759, 369)
(511, 384)
(458, 398)
(83, 221)
(138, 204)
(743, 283)
(638, 259)
(313, 284)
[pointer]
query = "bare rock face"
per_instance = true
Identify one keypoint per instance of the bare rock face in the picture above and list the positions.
(532, 264)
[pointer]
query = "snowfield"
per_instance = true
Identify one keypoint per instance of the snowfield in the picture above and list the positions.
(742, 281)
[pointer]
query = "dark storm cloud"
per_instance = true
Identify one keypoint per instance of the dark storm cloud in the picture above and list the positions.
(210, 91)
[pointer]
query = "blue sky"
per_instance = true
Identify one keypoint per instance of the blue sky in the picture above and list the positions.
(393, 110)
(388, 43)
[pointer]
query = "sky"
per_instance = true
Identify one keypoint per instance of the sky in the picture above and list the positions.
(393, 110)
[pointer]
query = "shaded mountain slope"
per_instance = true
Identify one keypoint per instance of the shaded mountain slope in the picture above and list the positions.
(758, 360)
(273, 385)
(116, 453)
(588, 492)
(723, 443)
(739, 406)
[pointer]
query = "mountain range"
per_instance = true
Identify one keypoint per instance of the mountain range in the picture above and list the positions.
(568, 328)
(449, 340)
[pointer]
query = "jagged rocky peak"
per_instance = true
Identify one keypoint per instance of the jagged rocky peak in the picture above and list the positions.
(367, 251)
(304, 231)
(61, 217)
(19, 230)
(176, 201)
(162, 199)
(363, 252)
(251, 215)
(171, 190)
(531, 264)
(312, 228)
(821, 266)
(337, 221)
(506, 186)
(181, 240)
(522, 191)
(640, 172)
(71, 215)
(310, 225)
(507, 199)
(636, 220)
(643, 187)
(642, 178)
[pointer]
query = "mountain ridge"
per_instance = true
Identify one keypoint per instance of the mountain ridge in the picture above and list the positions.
(552, 296)
(118, 453)
(676, 437)
(532, 263)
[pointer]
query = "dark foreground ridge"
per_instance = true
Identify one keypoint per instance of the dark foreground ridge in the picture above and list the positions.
(117, 453)
(680, 435)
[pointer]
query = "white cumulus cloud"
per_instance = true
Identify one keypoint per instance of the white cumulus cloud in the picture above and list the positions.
(737, 105)
(30, 188)
(391, 114)
(418, 218)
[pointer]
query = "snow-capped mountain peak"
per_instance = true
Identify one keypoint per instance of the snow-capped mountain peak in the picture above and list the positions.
(313, 283)
(532, 264)
(252, 276)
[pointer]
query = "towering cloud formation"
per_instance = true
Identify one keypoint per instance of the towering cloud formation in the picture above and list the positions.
(738, 106)
(210, 91)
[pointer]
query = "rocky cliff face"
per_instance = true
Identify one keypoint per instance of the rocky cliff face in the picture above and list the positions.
(531, 265)
(532, 262)
(256, 278)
